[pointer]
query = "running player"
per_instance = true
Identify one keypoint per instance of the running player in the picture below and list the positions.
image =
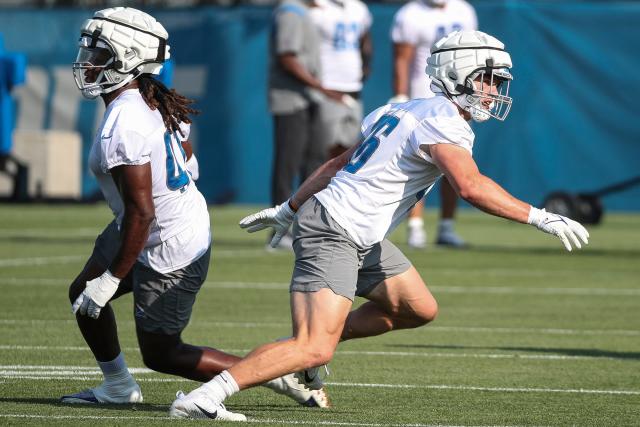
(350, 204)
(159, 244)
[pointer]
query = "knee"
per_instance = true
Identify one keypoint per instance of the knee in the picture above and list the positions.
(317, 354)
(75, 289)
(420, 314)
(156, 361)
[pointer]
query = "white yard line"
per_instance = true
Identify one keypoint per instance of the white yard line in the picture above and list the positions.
(440, 355)
(428, 329)
(43, 260)
(92, 374)
(250, 420)
(279, 286)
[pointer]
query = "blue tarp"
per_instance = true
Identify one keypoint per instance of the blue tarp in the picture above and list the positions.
(572, 125)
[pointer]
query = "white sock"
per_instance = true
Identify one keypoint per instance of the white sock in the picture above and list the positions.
(115, 370)
(415, 222)
(221, 387)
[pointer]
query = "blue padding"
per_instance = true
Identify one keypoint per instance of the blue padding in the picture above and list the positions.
(573, 125)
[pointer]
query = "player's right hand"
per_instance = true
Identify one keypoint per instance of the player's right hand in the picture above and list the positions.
(566, 229)
(96, 295)
(279, 218)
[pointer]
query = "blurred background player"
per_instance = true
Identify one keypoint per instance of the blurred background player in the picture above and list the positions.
(416, 27)
(345, 55)
(294, 92)
(159, 244)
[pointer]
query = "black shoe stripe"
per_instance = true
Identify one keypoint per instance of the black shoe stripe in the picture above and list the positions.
(213, 415)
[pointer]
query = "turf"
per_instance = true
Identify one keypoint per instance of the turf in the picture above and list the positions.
(527, 334)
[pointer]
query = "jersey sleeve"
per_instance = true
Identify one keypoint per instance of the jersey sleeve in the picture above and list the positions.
(441, 130)
(289, 29)
(403, 29)
(122, 145)
(367, 18)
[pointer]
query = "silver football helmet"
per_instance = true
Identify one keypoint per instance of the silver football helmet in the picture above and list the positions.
(473, 69)
(117, 45)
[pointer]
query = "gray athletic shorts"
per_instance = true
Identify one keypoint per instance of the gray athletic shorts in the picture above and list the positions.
(326, 257)
(340, 123)
(163, 301)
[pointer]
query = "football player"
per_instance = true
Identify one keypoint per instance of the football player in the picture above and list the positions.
(343, 212)
(416, 27)
(345, 53)
(158, 245)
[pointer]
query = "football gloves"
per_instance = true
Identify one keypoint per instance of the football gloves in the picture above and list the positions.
(96, 295)
(279, 218)
(567, 230)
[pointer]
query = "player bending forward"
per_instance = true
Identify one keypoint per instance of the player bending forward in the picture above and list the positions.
(159, 244)
(348, 206)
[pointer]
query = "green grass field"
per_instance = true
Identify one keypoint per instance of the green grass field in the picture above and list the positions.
(528, 334)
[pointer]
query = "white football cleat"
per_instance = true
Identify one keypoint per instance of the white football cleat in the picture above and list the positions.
(198, 405)
(107, 392)
(289, 385)
(311, 377)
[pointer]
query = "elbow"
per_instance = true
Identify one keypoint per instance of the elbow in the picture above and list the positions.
(468, 192)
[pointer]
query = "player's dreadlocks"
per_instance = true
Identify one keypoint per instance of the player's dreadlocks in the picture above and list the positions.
(173, 107)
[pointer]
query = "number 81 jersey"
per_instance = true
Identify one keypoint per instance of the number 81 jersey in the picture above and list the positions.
(391, 170)
(133, 134)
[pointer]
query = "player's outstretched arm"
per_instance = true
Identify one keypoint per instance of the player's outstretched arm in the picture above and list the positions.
(280, 217)
(482, 192)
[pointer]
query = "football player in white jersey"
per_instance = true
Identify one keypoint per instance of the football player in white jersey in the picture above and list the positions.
(416, 27)
(345, 54)
(349, 205)
(159, 243)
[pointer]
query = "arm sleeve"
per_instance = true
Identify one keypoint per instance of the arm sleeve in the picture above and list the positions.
(193, 167)
(441, 130)
(289, 29)
(186, 131)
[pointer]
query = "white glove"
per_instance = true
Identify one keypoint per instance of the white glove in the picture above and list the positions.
(279, 217)
(568, 230)
(96, 295)
(398, 98)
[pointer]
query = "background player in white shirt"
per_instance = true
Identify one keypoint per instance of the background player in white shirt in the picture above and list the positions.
(159, 243)
(345, 54)
(339, 235)
(416, 27)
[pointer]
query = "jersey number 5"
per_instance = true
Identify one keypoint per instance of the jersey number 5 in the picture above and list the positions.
(383, 127)
(177, 178)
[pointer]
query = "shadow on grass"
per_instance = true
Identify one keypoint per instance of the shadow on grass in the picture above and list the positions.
(137, 407)
(583, 352)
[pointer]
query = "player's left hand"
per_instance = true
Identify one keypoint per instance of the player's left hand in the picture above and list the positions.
(279, 217)
(566, 229)
(96, 295)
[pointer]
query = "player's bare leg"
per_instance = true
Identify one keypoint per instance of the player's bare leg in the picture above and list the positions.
(448, 204)
(318, 319)
(399, 302)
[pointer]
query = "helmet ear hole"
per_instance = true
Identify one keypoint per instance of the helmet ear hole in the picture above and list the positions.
(452, 75)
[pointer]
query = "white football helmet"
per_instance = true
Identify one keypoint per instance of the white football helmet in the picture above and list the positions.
(117, 45)
(466, 65)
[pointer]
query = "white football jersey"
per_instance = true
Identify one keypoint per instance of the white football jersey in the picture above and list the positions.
(341, 24)
(133, 134)
(421, 25)
(389, 172)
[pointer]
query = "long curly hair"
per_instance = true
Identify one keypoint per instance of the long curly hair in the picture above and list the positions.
(173, 107)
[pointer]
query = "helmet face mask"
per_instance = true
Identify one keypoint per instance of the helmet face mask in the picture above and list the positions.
(116, 46)
(472, 69)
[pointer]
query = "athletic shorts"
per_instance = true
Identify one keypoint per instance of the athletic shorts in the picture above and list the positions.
(326, 257)
(340, 123)
(162, 301)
